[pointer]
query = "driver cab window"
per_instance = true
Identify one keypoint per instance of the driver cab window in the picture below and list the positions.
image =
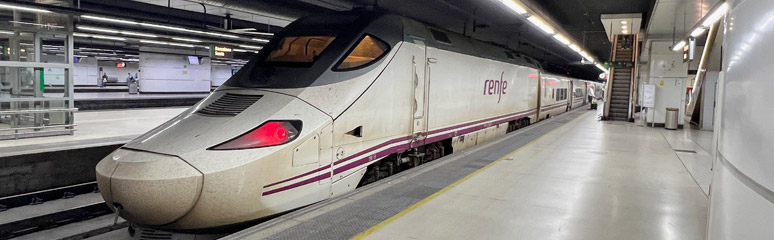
(299, 49)
(367, 51)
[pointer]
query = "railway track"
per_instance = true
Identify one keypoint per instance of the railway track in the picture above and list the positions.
(25, 214)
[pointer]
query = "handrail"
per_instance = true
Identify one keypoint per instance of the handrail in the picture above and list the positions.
(633, 88)
(38, 127)
(48, 110)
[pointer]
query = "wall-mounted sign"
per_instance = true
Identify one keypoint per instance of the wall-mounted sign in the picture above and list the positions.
(121, 65)
(221, 51)
(688, 50)
(649, 96)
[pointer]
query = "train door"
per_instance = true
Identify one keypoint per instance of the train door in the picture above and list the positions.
(420, 74)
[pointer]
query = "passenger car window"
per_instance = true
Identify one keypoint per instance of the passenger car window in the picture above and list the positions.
(367, 51)
(299, 49)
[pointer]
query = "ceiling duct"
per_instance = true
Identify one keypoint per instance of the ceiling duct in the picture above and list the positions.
(283, 10)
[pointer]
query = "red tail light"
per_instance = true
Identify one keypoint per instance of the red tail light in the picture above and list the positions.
(271, 133)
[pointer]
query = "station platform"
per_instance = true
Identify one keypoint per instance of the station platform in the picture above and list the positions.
(44, 167)
(95, 128)
(123, 100)
(570, 177)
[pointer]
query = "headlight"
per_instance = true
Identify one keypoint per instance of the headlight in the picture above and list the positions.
(271, 133)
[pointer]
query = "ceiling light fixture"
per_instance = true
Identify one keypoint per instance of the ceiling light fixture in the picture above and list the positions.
(575, 48)
(514, 6)
(679, 46)
(624, 22)
(260, 40)
(105, 30)
(20, 8)
(698, 32)
(186, 39)
(251, 46)
(562, 39)
(97, 29)
(152, 25)
(716, 15)
(540, 24)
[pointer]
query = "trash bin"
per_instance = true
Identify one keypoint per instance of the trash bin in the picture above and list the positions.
(133, 87)
(671, 118)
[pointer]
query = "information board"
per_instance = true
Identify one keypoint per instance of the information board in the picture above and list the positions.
(649, 95)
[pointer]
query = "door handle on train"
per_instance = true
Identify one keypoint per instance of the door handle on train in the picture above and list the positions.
(432, 60)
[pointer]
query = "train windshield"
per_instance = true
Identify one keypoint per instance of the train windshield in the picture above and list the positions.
(299, 50)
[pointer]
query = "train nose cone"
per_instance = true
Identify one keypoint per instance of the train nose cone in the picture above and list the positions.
(151, 189)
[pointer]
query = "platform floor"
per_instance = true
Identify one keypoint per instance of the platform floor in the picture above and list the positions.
(571, 177)
(96, 128)
(586, 180)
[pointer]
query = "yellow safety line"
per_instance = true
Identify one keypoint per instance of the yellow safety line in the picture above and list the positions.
(447, 188)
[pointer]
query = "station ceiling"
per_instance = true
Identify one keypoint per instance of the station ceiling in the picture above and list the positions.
(486, 20)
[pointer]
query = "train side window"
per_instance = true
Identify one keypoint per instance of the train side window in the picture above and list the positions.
(440, 36)
(367, 51)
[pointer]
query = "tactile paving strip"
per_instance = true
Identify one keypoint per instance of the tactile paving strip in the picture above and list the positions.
(370, 205)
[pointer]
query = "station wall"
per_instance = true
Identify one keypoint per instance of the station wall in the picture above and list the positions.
(220, 73)
(86, 72)
(669, 74)
(173, 73)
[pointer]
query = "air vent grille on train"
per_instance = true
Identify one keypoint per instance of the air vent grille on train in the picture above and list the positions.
(229, 105)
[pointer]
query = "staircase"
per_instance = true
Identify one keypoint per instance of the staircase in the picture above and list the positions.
(620, 82)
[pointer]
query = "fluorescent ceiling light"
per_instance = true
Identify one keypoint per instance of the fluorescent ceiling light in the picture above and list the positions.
(181, 45)
(20, 8)
(260, 40)
(152, 25)
(166, 43)
(624, 31)
(139, 34)
(697, 32)
(97, 29)
(220, 34)
(261, 33)
(601, 67)
(153, 42)
(104, 19)
(540, 24)
(716, 15)
(186, 39)
(251, 47)
(575, 48)
(81, 35)
(624, 26)
(678, 46)
(108, 37)
(6, 32)
(562, 39)
(514, 6)
(624, 22)
(88, 28)
(239, 50)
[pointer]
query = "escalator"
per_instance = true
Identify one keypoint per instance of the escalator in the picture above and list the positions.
(618, 106)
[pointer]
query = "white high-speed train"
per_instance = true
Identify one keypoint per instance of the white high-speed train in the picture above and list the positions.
(333, 102)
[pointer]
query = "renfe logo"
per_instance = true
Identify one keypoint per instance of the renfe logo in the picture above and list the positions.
(492, 87)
